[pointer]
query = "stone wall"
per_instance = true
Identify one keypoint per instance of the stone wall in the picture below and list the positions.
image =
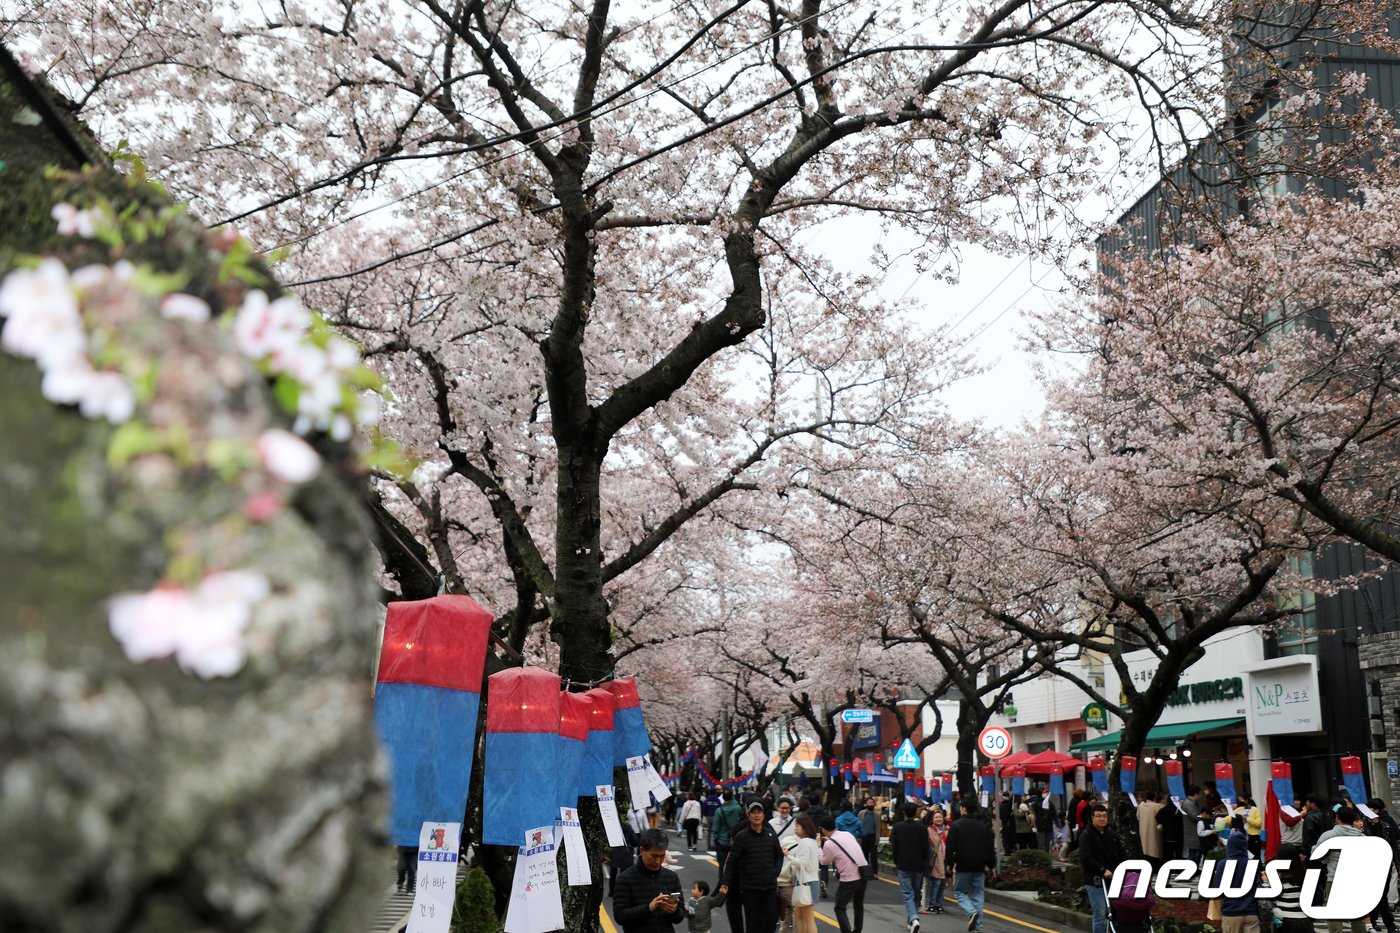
(1380, 661)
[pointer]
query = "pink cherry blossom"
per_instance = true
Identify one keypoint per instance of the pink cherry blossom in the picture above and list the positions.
(148, 625)
(41, 311)
(286, 456)
(74, 222)
(182, 307)
(203, 629)
(264, 328)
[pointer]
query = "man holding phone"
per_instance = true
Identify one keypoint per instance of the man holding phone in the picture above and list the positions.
(647, 896)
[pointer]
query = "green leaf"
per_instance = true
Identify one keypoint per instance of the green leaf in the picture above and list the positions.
(288, 392)
(230, 457)
(388, 456)
(134, 439)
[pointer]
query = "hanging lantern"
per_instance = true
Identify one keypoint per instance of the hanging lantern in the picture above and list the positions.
(629, 729)
(1281, 775)
(1176, 785)
(1017, 773)
(522, 754)
(1353, 780)
(988, 773)
(1127, 775)
(598, 754)
(573, 742)
(921, 788)
(1225, 782)
(946, 785)
(1057, 780)
(908, 785)
(1099, 775)
(426, 700)
(833, 769)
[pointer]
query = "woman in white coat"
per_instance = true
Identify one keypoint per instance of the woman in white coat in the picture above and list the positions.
(802, 855)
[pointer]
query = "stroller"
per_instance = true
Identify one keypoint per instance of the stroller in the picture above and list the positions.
(1128, 913)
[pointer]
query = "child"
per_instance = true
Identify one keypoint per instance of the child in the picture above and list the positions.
(1059, 837)
(698, 907)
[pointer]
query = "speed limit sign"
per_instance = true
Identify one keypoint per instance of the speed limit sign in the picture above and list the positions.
(994, 742)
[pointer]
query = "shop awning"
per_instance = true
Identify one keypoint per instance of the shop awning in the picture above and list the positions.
(1158, 736)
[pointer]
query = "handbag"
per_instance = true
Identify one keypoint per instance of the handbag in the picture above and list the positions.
(802, 895)
(866, 872)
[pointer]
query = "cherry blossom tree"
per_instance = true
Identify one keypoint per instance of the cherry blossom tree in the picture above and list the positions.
(575, 242)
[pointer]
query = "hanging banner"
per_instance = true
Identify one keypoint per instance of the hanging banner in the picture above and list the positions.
(1176, 784)
(575, 849)
(607, 806)
(1100, 776)
(1281, 778)
(522, 754)
(1127, 777)
(658, 787)
(536, 904)
(435, 889)
(426, 699)
(1225, 783)
(1355, 783)
(629, 728)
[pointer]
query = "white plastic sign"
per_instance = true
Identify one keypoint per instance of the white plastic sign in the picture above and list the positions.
(435, 889)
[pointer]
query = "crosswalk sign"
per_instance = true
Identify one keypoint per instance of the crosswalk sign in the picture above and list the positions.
(906, 758)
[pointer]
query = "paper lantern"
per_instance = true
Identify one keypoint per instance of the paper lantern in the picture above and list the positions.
(946, 784)
(629, 728)
(598, 754)
(1057, 780)
(1099, 775)
(573, 742)
(1017, 773)
(1176, 785)
(833, 769)
(1281, 775)
(989, 779)
(1353, 780)
(1225, 782)
(425, 708)
(1127, 774)
(908, 785)
(522, 754)
(921, 788)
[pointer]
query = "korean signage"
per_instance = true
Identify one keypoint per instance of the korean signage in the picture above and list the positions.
(1283, 697)
(866, 735)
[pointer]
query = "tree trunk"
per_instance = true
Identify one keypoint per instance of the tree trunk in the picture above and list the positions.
(580, 613)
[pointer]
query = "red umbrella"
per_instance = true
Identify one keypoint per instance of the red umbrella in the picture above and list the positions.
(1015, 758)
(1042, 762)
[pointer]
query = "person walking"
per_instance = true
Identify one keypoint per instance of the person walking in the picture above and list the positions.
(937, 871)
(802, 858)
(646, 898)
(1007, 817)
(1288, 904)
(1169, 825)
(690, 820)
(1099, 853)
(699, 908)
(784, 825)
(1044, 820)
(870, 834)
(910, 850)
(755, 860)
(1190, 823)
(1317, 819)
(1240, 911)
(407, 868)
(1149, 829)
(848, 822)
(842, 850)
(972, 853)
(784, 821)
(1246, 808)
(727, 820)
(1025, 826)
(1344, 825)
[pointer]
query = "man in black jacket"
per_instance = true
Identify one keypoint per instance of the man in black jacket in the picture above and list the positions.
(755, 859)
(647, 896)
(1317, 819)
(971, 853)
(912, 853)
(1099, 853)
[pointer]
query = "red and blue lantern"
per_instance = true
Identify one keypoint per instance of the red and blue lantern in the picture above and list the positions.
(1353, 780)
(846, 771)
(426, 700)
(1017, 773)
(522, 755)
(629, 728)
(946, 785)
(1281, 776)
(599, 754)
(1127, 775)
(921, 788)
(1099, 775)
(1057, 780)
(1225, 782)
(908, 785)
(833, 769)
(1176, 784)
(988, 773)
(573, 742)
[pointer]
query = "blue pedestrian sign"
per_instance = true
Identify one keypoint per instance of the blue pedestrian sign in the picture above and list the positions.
(906, 759)
(1392, 767)
(857, 715)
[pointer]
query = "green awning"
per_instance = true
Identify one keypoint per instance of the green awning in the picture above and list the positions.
(1159, 736)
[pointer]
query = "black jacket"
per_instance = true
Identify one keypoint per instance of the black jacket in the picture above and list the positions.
(969, 845)
(754, 860)
(1315, 824)
(910, 847)
(632, 896)
(1099, 852)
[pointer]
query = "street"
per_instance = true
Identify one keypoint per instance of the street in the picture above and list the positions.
(884, 908)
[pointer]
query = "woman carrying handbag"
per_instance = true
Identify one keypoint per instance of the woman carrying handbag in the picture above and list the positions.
(802, 858)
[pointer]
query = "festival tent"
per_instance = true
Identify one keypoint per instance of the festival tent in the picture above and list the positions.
(1042, 762)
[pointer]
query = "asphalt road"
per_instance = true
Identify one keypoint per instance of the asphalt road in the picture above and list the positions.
(884, 907)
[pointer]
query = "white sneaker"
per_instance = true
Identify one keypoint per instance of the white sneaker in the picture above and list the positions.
(914, 925)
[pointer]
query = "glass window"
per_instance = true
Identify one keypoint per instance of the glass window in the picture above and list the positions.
(1298, 634)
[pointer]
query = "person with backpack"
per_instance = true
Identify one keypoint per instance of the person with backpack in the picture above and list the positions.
(727, 820)
(841, 849)
(870, 834)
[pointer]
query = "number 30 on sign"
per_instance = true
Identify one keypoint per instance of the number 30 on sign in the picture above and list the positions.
(994, 742)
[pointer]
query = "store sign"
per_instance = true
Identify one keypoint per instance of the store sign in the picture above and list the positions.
(867, 735)
(1094, 715)
(1284, 697)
